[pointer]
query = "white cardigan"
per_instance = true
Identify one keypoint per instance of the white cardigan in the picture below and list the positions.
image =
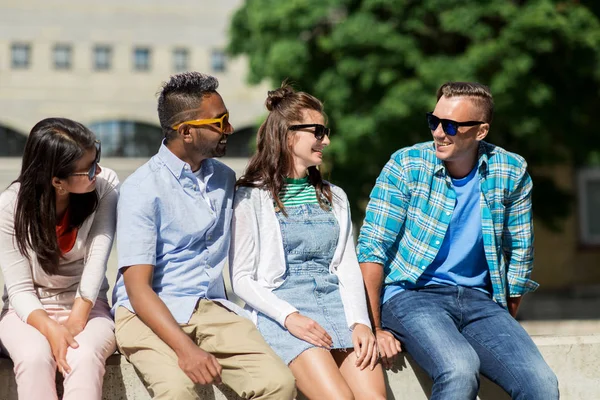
(257, 260)
(82, 270)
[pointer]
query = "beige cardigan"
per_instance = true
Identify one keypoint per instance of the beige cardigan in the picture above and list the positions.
(82, 270)
(257, 260)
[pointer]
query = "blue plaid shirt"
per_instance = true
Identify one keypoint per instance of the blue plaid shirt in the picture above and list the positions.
(412, 203)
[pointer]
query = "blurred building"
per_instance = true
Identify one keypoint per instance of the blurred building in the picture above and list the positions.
(102, 63)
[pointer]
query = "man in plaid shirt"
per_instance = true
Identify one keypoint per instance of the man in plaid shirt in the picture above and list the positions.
(446, 251)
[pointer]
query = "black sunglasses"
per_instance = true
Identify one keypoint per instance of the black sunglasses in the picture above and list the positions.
(450, 127)
(319, 132)
(92, 171)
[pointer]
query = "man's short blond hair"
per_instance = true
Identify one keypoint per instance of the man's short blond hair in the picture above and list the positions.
(480, 95)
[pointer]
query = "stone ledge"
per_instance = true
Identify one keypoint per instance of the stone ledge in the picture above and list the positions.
(574, 359)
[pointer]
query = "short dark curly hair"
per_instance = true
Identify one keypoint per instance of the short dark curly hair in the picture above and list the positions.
(182, 94)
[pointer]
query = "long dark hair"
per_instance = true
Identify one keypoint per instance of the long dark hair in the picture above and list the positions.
(273, 159)
(52, 150)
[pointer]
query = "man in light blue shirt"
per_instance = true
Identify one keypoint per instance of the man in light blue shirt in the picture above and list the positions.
(446, 251)
(173, 321)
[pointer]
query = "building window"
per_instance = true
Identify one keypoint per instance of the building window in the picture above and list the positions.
(62, 56)
(102, 58)
(141, 59)
(181, 58)
(589, 205)
(217, 60)
(21, 55)
(126, 138)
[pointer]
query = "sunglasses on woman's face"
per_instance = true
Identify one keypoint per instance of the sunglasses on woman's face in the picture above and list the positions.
(450, 127)
(92, 171)
(319, 132)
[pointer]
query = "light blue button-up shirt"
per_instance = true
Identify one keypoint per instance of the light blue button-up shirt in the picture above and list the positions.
(166, 218)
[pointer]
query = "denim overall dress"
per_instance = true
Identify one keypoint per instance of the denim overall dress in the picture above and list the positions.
(310, 237)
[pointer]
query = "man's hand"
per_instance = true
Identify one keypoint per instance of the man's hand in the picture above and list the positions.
(389, 347)
(513, 305)
(201, 367)
(308, 330)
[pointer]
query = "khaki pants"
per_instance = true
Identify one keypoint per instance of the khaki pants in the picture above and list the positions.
(250, 367)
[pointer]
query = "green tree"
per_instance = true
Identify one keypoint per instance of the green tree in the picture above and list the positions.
(377, 64)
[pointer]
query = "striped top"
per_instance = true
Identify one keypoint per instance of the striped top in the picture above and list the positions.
(296, 192)
(412, 204)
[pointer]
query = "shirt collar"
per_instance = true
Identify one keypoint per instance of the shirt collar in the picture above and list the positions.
(482, 156)
(175, 164)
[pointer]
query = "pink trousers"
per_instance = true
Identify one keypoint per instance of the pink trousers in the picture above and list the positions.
(34, 365)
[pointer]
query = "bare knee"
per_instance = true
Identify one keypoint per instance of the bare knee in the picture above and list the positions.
(332, 392)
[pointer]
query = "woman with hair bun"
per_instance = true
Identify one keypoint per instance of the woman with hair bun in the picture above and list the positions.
(293, 260)
(57, 223)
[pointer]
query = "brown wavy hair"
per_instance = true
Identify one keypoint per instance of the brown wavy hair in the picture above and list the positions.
(273, 160)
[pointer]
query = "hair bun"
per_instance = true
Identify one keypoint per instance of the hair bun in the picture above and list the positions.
(275, 97)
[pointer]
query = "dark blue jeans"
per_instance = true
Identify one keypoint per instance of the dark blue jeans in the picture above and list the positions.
(454, 333)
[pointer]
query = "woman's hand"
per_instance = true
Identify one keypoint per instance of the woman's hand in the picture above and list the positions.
(79, 315)
(308, 330)
(74, 326)
(365, 346)
(60, 340)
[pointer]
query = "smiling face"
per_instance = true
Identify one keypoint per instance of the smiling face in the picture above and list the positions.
(306, 150)
(208, 141)
(460, 151)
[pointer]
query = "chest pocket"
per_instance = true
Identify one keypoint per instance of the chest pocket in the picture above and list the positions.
(308, 230)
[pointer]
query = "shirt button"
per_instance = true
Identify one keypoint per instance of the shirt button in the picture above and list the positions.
(437, 242)
(447, 212)
(195, 187)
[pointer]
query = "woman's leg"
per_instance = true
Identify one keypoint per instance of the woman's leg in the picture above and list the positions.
(318, 377)
(87, 362)
(34, 365)
(365, 384)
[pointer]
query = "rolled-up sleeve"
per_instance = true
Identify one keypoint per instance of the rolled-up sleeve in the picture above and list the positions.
(385, 214)
(518, 237)
(136, 227)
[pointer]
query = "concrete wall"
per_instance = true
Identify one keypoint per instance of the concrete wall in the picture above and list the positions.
(575, 360)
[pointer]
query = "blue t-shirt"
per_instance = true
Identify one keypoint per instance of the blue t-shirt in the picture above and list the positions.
(461, 259)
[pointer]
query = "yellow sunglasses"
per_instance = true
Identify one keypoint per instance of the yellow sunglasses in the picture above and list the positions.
(223, 121)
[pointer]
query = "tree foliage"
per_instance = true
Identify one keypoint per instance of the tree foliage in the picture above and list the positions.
(377, 64)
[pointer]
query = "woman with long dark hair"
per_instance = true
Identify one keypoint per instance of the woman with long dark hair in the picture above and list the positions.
(293, 260)
(57, 223)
